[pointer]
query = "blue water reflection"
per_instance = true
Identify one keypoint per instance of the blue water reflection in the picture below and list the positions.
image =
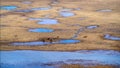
(33, 9)
(42, 30)
(105, 10)
(92, 26)
(45, 21)
(11, 7)
(109, 37)
(48, 21)
(37, 43)
(68, 41)
(31, 43)
(32, 59)
(66, 14)
(41, 8)
(25, 10)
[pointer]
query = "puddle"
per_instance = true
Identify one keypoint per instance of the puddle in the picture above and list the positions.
(45, 21)
(33, 9)
(68, 41)
(66, 14)
(31, 43)
(109, 37)
(42, 30)
(105, 10)
(92, 26)
(40, 59)
(26, 10)
(37, 43)
(41, 8)
(48, 21)
(11, 7)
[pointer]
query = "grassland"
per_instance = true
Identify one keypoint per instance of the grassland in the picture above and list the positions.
(17, 24)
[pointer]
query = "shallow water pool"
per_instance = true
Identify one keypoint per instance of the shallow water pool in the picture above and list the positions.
(45, 21)
(37, 43)
(25, 10)
(48, 21)
(92, 26)
(68, 41)
(105, 10)
(32, 59)
(31, 43)
(41, 30)
(109, 37)
(33, 9)
(10, 7)
(41, 8)
(66, 14)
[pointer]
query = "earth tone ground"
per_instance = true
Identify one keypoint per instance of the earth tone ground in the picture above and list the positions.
(78, 66)
(17, 24)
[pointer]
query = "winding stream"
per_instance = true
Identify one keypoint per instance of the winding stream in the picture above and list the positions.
(77, 33)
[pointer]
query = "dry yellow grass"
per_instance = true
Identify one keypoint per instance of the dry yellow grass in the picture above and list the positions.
(14, 23)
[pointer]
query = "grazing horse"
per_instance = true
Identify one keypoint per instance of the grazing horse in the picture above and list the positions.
(50, 39)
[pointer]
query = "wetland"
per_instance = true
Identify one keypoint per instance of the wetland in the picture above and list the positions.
(59, 34)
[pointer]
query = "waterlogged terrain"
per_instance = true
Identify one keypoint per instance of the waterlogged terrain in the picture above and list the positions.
(10, 7)
(31, 59)
(45, 21)
(63, 41)
(41, 8)
(92, 24)
(109, 37)
(66, 14)
(65, 33)
(92, 27)
(48, 21)
(105, 10)
(42, 30)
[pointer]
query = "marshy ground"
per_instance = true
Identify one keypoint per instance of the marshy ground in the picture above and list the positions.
(94, 23)
(15, 23)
